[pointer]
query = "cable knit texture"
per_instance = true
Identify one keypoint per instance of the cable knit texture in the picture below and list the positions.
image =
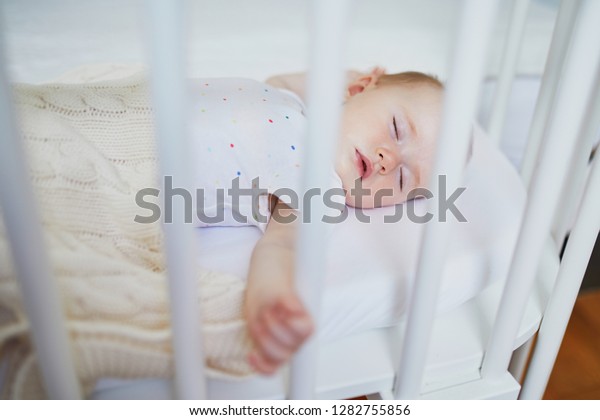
(91, 148)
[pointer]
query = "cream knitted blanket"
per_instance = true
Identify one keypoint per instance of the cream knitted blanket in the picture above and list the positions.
(90, 149)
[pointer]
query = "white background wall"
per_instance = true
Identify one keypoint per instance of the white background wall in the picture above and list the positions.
(253, 38)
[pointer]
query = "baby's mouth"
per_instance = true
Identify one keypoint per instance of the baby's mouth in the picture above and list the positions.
(363, 164)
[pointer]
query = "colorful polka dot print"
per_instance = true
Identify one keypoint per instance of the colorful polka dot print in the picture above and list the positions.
(251, 126)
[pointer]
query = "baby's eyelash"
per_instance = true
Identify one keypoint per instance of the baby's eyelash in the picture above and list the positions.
(401, 180)
(395, 128)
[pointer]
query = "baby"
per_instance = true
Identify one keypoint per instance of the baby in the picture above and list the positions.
(388, 132)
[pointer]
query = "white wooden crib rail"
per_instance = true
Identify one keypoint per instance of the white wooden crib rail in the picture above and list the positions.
(40, 294)
(568, 90)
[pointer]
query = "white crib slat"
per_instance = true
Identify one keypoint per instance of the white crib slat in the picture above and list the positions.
(572, 190)
(568, 113)
(459, 108)
(510, 58)
(167, 58)
(561, 37)
(325, 86)
(519, 360)
(572, 269)
(39, 291)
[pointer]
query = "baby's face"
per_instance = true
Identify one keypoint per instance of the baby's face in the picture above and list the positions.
(388, 137)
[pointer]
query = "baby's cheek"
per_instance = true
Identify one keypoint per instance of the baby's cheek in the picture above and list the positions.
(384, 196)
(368, 197)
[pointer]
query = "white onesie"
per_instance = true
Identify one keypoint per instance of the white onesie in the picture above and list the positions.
(246, 134)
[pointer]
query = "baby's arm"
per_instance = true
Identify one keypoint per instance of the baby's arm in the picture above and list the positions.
(296, 82)
(278, 322)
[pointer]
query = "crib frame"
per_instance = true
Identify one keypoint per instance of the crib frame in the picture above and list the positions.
(568, 116)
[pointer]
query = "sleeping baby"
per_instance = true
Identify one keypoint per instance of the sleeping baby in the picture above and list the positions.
(249, 137)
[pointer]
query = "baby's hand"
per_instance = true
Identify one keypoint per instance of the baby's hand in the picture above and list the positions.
(277, 321)
(278, 329)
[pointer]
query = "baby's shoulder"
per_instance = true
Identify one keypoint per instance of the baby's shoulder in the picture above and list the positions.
(228, 83)
(246, 91)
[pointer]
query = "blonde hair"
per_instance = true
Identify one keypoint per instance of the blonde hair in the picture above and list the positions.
(410, 77)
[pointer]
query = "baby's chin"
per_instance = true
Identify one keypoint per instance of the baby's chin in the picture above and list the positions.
(368, 202)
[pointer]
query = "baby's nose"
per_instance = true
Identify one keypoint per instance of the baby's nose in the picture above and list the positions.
(388, 160)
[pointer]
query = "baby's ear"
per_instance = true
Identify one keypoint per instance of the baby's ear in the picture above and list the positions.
(378, 71)
(364, 81)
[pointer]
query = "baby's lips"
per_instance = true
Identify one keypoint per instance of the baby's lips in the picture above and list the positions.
(358, 163)
(365, 166)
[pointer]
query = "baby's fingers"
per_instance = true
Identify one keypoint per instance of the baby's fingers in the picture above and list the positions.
(302, 327)
(294, 319)
(275, 325)
(260, 364)
(267, 345)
